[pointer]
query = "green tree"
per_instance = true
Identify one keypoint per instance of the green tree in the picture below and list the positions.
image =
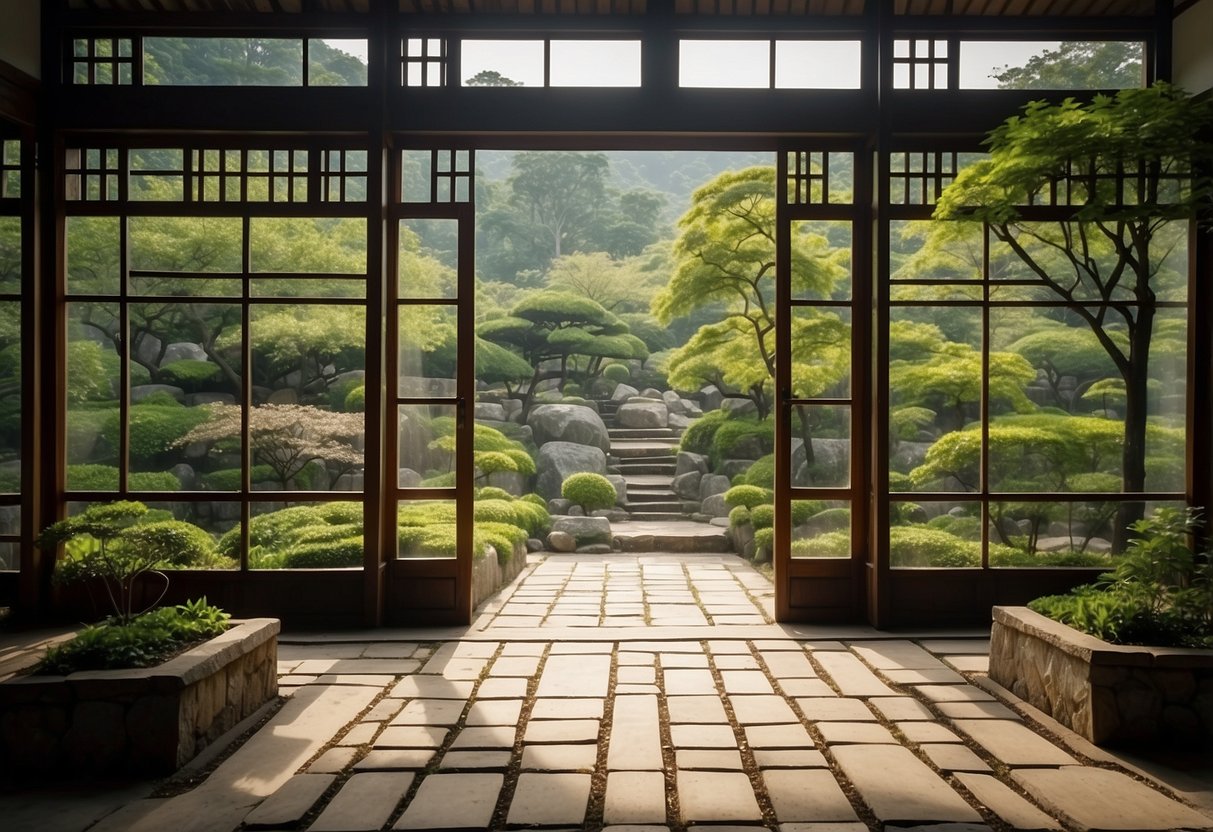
(1156, 135)
(1078, 65)
(490, 78)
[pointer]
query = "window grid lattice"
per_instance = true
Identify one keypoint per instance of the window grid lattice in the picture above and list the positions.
(249, 175)
(424, 62)
(919, 178)
(93, 174)
(920, 64)
(344, 176)
(102, 61)
(10, 169)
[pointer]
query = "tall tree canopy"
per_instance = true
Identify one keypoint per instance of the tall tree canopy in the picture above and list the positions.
(1078, 65)
(1130, 165)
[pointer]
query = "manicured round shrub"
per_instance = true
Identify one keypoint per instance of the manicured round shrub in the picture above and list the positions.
(616, 372)
(764, 538)
(733, 432)
(228, 479)
(355, 400)
(832, 519)
(173, 542)
(803, 510)
(334, 554)
(697, 438)
(922, 546)
(189, 373)
(534, 499)
(425, 513)
(738, 516)
(105, 478)
(501, 536)
(761, 473)
(828, 545)
(747, 495)
(436, 540)
(763, 516)
(590, 491)
(492, 492)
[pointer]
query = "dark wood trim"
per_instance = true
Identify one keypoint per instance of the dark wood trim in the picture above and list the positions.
(19, 93)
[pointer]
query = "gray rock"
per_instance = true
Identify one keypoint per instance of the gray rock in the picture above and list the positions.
(615, 515)
(534, 544)
(643, 415)
(595, 549)
(562, 541)
(559, 505)
(621, 487)
(408, 478)
(687, 462)
(710, 398)
(723, 522)
(715, 506)
(739, 407)
(651, 393)
(712, 484)
(568, 423)
(284, 396)
(623, 392)
(584, 530)
(673, 402)
(732, 467)
(686, 485)
(185, 474)
(182, 351)
(576, 511)
(510, 481)
(490, 410)
(513, 409)
(557, 460)
(147, 349)
(679, 422)
(691, 408)
(141, 391)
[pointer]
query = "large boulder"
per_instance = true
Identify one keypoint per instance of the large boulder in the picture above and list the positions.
(688, 462)
(557, 460)
(737, 408)
(585, 530)
(621, 488)
(643, 414)
(686, 486)
(715, 506)
(573, 423)
(710, 397)
(679, 422)
(712, 484)
(183, 351)
(673, 401)
(732, 467)
(490, 410)
(139, 392)
(623, 392)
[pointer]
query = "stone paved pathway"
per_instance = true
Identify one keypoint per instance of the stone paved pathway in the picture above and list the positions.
(566, 730)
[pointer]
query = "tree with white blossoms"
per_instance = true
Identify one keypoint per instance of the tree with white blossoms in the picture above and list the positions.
(286, 437)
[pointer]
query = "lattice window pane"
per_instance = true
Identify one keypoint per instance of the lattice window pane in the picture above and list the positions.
(920, 64)
(820, 178)
(102, 61)
(93, 174)
(424, 62)
(10, 169)
(436, 176)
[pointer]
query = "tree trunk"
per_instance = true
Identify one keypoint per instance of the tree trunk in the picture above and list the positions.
(1134, 453)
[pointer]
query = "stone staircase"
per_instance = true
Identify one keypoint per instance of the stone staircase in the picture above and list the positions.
(647, 458)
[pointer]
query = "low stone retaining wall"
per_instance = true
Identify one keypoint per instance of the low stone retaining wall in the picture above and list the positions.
(1111, 694)
(148, 720)
(488, 575)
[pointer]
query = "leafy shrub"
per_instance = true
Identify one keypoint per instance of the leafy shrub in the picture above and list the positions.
(738, 516)
(764, 538)
(617, 373)
(921, 546)
(803, 510)
(729, 436)
(302, 537)
(146, 641)
(189, 373)
(832, 519)
(105, 478)
(156, 424)
(534, 499)
(747, 495)
(763, 516)
(828, 545)
(355, 400)
(761, 473)
(590, 491)
(1160, 591)
(435, 540)
(503, 537)
(698, 436)
(490, 492)
(228, 479)
(331, 554)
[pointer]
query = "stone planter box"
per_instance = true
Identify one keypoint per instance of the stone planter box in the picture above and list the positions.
(488, 575)
(1109, 693)
(149, 720)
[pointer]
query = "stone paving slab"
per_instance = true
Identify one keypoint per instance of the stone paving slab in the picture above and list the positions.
(635, 735)
(293, 800)
(1004, 802)
(548, 799)
(1013, 742)
(1099, 799)
(365, 802)
(722, 759)
(453, 801)
(897, 786)
(696, 709)
(799, 796)
(716, 796)
(634, 797)
(952, 757)
(387, 759)
(559, 757)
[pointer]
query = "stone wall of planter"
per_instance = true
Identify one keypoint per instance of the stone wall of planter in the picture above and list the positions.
(1111, 694)
(488, 575)
(149, 720)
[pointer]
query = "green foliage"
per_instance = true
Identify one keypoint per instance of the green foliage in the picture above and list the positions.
(323, 535)
(828, 545)
(490, 492)
(762, 516)
(535, 499)
(738, 516)
(528, 517)
(729, 436)
(590, 491)
(764, 538)
(919, 546)
(86, 376)
(1160, 591)
(156, 426)
(105, 478)
(616, 372)
(355, 400)
(116, 543)
(747, 495)
(761, 473)
(698, 436)
(803, 510)
(1077, 65)
(228, 479)
(327, 554)
(189, 373)
(145, 641)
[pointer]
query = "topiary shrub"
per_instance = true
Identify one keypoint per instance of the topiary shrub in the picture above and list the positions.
(747, 495)
(764, 538)
(617, 373)
(697, 438)
(534, 499)
(435, 540)
(832, 519)
(155, 426)
(590, 491)
(738, 516)
(105, 478)
(491, 492)
(828, 545)
(228, 479)
(503, 537)
(188, 373)
(803, 510)
(761, 473)
(355, 400)
(729, 436)
(918, 546)
(334, 554)
(763, 516)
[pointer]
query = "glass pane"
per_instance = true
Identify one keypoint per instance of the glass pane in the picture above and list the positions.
(302, 536)
(428, 259)
(416, 167)
(1167, 397)
(426, 446)
(821, 446)
(1051, 65)
(223, 62)
(501, 63)
(426, 529)
(821, 352)
(724, 63)
(821, 529)
(924, 250)
(10, 255)
(182, 251)
(184, 425)
(92, 254)
(1054, 533)
(336, 63)
(595, 63)
(817, 64)
(428, 340)
(307, 246)
(208, 550)
(10, 398)
(10, 553)
(934, 535)
(307, 422)
(934, 398)
(821, 259)
(91, 392)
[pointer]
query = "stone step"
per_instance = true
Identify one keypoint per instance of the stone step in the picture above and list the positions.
(666, 469)
(643, 449)
(654, 496)
(641, 479)
(651, 516)
(643, 507)
(642, 433)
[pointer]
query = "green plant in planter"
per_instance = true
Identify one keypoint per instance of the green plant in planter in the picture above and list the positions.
(590, 491)
(116, 543)
(1159, 593)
